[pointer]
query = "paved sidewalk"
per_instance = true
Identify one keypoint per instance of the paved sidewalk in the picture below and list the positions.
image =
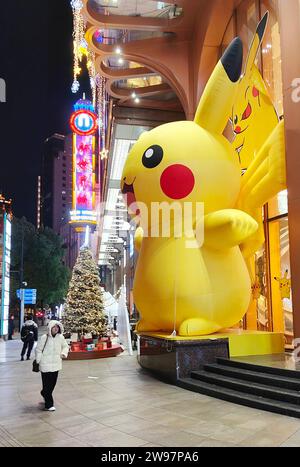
(112, 402)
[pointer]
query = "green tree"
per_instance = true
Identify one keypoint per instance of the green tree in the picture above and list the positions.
(43, 262)
(84, 310)
(22, 233)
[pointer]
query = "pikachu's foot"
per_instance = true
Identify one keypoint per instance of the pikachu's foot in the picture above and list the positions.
(197, 327)
(143, 326)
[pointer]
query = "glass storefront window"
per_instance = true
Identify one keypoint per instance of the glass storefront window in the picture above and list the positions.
(144, 8)
(247, 19)
(278, 205)
(271, 55)
(280, 274)
(229, 35)
(271, 308)
(260, 291)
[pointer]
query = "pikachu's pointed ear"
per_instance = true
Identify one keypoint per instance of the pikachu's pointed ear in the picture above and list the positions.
(218, 96)
(256, 42)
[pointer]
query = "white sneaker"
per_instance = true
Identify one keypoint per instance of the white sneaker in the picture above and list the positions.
(52, 409)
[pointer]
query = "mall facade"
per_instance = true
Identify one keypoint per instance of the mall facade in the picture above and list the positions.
(154, 59)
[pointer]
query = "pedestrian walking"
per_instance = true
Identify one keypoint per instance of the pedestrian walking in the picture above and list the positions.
(29, 335)
(11, 327)
(51, 349)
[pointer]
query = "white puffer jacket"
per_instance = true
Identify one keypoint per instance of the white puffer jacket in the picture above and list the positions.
(50, 359)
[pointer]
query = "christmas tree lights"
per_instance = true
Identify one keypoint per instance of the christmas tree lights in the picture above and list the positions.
(84, 308)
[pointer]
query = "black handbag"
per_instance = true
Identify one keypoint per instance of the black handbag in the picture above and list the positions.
(35, 365)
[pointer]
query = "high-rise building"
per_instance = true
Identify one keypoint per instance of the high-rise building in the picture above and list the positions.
(56, 182)
(55, 192)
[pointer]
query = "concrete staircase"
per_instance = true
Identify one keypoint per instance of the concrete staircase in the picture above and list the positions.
(266, 388)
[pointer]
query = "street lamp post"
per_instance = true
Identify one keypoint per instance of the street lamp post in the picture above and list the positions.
(22, 283)
(22, 298)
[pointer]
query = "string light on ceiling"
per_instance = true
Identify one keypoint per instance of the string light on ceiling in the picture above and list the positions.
(78, 38)
(102, 111)
(81, 49)
(75, 86)
(97, 82)
(90, 56)
(76, 4)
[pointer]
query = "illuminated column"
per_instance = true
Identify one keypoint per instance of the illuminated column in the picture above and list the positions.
(84, 126)
(5, 249)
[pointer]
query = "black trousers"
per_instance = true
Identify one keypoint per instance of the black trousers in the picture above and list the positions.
(49, 381)
(29, 349)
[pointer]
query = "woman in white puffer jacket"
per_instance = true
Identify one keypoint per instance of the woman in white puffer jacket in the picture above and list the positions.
(50, 350)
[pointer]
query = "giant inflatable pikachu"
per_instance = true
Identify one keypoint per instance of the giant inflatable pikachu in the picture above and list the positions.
(193, 291)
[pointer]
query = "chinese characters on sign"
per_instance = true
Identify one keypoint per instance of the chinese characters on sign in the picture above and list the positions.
(84, 125)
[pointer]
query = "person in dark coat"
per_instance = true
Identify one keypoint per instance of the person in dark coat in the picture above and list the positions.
(29, 334)
(11, 327)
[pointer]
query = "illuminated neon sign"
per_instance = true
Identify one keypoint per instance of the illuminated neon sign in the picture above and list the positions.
(83, 122)
(83, 180)
(84, 125)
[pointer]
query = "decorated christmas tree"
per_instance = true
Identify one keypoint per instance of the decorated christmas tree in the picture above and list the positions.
(84, 309)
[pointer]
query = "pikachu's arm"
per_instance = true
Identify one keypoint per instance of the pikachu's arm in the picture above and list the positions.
(138, 238)
(227, 228)
(266, 175)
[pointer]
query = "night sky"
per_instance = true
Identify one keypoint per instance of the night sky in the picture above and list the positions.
(36, 62)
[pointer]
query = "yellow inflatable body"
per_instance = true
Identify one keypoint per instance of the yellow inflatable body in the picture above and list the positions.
(192, 290)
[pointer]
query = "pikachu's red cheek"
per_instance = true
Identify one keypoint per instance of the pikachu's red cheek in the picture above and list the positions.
(177, 181)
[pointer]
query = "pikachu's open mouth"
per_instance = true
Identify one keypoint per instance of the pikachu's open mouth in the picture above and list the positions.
(129, 197)
(127, 188)
(238, 149)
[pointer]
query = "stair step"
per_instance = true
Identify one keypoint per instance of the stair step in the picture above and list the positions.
(231, 395)
(271, 392)
(254, 376)
(259, 368)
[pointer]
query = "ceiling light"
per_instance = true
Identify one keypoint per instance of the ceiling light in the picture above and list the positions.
(112, 197)
(136, 100)
(120, 152)
(118, 50)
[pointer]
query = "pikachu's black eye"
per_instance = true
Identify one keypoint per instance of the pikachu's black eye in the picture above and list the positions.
(152, 156)
(235, 120)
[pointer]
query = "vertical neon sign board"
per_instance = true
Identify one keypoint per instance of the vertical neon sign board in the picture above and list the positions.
(5, 249)
(84, 125)
(84, 171)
